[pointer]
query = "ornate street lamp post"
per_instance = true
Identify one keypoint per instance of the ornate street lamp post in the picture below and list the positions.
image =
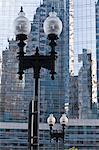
(52, 28)
(55, 134)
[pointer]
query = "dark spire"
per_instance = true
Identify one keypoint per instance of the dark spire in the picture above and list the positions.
(21, 9)
(52, 9)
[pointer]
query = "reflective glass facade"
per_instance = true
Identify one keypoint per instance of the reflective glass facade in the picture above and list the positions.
(97, 46)
(82, 134)
(16, 95)
(84, 38)
(13, 108)
(84, 28)
(85, 85)
(13, 139)
(53, 94)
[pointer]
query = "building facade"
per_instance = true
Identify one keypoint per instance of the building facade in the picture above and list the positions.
(73, 111)
(85, 29)
(53, 94)
(85, 38)
(85, 85)
(82, 134)
(12, 106)
(16, 95)
(97, 46)
(81, 104)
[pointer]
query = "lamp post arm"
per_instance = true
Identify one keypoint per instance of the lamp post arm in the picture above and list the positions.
(57, 134)
(36, 62)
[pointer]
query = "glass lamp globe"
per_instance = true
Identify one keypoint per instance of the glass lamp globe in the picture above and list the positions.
(52, 24)
(51, 120)
(63, 119)
(22, 24)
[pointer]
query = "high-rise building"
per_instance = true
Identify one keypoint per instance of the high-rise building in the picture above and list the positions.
(83, 134)
(85, 85)
(60, 84)
(12, 102)
(84, 38)
(53, 94)
(97, 46)
(73, 111)
(85, 29)
(13, 108)
(80, 103)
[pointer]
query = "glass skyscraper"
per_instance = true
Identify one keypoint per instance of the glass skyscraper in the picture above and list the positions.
(97, 46)
(85, 37)
(84, 28)
(53, 94)
(16, 95)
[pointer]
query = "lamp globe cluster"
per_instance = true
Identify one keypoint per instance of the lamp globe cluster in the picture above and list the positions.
(51, 120)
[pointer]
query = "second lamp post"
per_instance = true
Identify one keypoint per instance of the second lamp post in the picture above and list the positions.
(55, 134)
(52, 28)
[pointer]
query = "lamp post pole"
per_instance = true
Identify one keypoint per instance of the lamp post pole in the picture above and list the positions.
(52, 28)
(35, 61)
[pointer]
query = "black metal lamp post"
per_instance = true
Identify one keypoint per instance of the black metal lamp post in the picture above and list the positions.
(55, 134)
(52, 28)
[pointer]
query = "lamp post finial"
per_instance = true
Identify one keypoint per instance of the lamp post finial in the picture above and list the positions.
(21, 9)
